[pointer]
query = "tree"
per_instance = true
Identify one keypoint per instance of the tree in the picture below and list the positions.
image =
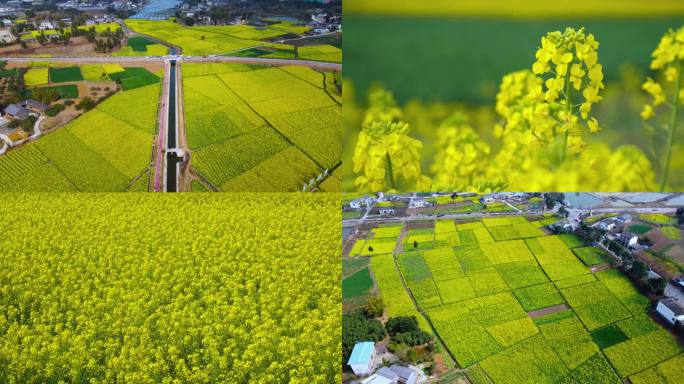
(680, 215)
(657, 285)
(356, 328)
(415, 243)
(638, 270)
(45, 95)
(86, 104)
(644, 240)
(401, 324)
(375, 307)
(370, 248)
(189, 21)
(552, 198)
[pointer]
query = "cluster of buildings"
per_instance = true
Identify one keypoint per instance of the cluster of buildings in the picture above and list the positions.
(323, 23)
(21, 111)
(97, 6)
(363, 362)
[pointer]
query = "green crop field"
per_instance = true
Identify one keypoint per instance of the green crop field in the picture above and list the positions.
(592, 255)
(260, 128)
(62, 75)
(640, 229)
(98, 287)
(134, 77)
(103, 150)
(671, 232)
(657, 218)
(357, 284)
(68, 91)
(141, 46)
(483, 299)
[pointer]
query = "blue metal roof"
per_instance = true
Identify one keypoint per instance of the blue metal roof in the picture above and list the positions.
(362, 353)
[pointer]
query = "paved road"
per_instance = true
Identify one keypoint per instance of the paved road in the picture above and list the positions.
(191, 59)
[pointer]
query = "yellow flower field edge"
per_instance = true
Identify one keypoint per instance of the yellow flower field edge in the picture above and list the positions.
(114, 288)
(543, 131)
(518, 9)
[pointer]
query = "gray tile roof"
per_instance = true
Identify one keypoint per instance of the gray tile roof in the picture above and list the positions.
(17, 111)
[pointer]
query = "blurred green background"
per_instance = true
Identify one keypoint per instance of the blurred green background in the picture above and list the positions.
(441, 59)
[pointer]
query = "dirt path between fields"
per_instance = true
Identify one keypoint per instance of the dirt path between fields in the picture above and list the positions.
(547, 311)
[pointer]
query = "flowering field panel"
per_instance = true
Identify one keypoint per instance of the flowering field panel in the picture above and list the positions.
(159, 304)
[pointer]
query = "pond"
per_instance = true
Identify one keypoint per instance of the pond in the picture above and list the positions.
(582, 200)
(157, 9)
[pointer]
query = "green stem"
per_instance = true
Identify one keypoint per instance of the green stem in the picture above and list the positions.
(673, 127)
(568, 107)
(389, 175)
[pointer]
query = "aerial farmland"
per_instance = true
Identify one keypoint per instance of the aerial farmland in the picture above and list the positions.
(260, 110)
(507, 297)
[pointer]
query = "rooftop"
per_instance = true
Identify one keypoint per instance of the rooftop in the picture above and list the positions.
(673, 305)
(362, 353)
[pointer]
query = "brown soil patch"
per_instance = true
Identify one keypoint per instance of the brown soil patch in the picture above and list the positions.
(68, 114)
(547, 310)
(96, 89)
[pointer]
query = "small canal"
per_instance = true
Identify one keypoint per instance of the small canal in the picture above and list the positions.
(172, 160)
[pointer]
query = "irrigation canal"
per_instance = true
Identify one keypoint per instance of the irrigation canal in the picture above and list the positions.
(173, 160)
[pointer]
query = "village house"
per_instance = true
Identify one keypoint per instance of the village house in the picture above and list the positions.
(35, 106)
(17, 112)
(6, 36)
(624, 219)
(419, 203)
(627, 239)
(358, 203)
(386, 211)
(362, 359)
(606, 225)
(396, 374)
(671, 310)
(7, 11)
(45, 25)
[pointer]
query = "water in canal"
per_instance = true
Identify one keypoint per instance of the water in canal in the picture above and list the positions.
(172, 160)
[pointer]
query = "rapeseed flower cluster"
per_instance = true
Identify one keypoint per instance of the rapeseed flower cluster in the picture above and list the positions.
(567, 63)
(668, 60)
(384, 152)
(460, 155)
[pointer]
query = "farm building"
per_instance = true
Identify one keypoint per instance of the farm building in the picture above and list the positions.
(357, 203)
(606, 225)
(387, 211)
(671, 310)
(419, 203)
(396, 374)
(362, 358)
(6, 36)
(16, 111)
(35, 106)
(626, 239)
(626, 218)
